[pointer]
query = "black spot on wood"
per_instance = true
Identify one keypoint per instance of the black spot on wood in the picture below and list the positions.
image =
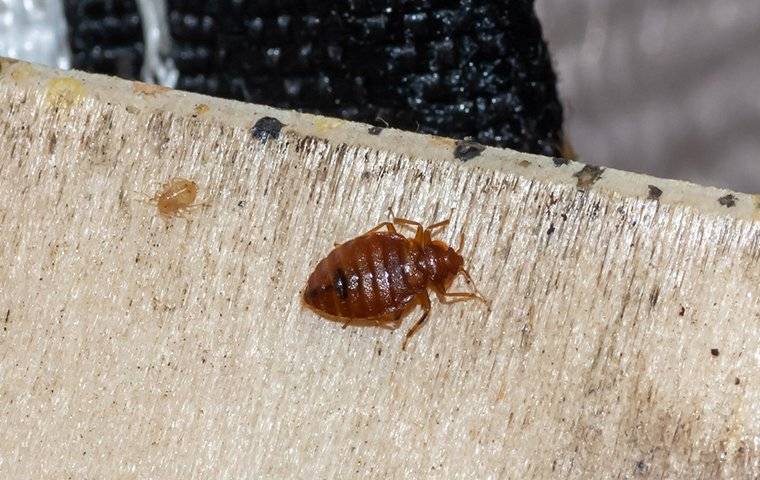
(467, 149)
(241, 203)
(564, 217)
(654, 296)
(341, 284)
(728, 201)
(654, 193)
(588, 175)
(737, 381)
(558, 162)
(551, 229)
(714, 352)
(374, 130)
(266, 127)
(52, 141)
(682, 311)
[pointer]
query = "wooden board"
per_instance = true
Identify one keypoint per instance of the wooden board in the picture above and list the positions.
(622, 342)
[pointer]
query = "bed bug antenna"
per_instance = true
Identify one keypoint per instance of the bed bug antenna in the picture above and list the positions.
(474, 287)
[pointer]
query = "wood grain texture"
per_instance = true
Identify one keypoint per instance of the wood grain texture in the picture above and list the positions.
(622, 342)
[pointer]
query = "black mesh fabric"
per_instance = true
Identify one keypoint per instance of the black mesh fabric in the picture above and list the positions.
(472, 68)
(105, 36)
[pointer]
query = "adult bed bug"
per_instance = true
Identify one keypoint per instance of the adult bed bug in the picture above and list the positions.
(379, 276)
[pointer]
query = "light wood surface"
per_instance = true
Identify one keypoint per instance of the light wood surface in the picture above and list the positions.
(622, 342)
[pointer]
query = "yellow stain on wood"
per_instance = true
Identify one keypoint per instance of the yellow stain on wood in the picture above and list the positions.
(64, 91)
(6, 62)
(201, 108)
(441, 141)
(326, 124)
(19, 71)
(148, 88)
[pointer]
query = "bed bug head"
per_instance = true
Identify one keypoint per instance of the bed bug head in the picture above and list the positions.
(444, 263)
(447, 263)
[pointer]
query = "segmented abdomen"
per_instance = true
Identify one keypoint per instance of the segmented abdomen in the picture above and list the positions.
(367, 277)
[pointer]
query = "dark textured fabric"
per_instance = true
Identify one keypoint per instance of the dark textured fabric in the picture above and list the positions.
(105, 36)
(459, 69)
(475, 68)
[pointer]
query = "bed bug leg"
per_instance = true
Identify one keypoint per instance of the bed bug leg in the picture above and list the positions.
(461, 243)
(425, 303)
(389, 225)
(419, 234)
(146, 199)
(346, 323)
(388, 324)
(428, 237)
(454, 297)
(440, 224)
(198, 205)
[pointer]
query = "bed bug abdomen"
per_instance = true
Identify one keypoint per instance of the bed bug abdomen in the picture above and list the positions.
(368, 277)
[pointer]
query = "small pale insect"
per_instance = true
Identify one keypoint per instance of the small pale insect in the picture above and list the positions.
(378, 277)
(176, 197)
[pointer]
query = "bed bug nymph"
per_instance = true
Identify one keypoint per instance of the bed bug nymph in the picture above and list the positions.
(176, 197)
(379, 276)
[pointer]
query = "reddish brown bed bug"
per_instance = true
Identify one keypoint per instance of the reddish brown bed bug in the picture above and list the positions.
(176, 197)
(378, 277)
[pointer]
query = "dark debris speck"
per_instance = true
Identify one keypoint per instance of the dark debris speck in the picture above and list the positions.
(654, 296)
(714, 352)
(654, 193)
(588, 175)
(374, 130)
(467, 149)
(266, 127)
(728, 201)
(550, 230)
(558, 162)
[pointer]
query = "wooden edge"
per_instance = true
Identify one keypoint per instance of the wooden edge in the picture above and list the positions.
(74, 86)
